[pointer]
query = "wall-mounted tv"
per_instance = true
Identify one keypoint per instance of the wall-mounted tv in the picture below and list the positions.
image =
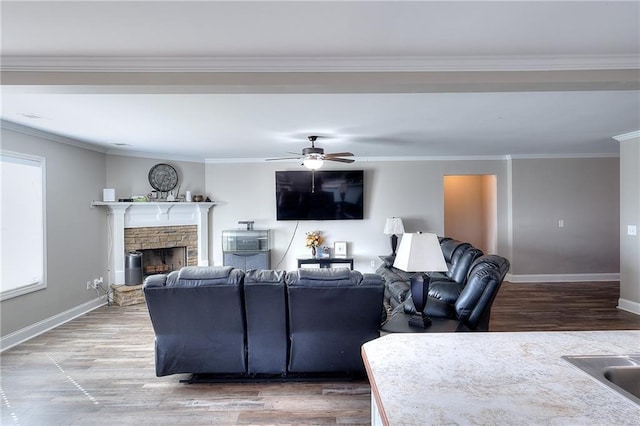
(319, 195)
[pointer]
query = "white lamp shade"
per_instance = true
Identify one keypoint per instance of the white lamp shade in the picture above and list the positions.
(420, 253)
(394, 226)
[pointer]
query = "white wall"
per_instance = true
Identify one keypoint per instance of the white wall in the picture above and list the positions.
(411, 190)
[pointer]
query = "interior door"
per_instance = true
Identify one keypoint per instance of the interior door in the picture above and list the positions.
(470, 210)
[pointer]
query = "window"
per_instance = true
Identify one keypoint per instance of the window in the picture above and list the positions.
(22, 224)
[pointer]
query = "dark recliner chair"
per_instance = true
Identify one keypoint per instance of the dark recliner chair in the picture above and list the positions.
(472, 308)
(471, 311)
(447, 286)
(192, 336)
(332, 312)
(266, 310)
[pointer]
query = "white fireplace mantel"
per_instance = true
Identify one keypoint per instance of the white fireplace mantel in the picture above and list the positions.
(137, 215)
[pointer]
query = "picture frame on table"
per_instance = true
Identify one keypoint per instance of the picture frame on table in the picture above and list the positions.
(340, 249)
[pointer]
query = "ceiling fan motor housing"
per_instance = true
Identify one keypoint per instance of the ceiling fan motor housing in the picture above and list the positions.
(312, 150)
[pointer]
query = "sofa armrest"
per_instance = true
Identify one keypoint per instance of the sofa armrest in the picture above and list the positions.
(372, 279)
(157, 280)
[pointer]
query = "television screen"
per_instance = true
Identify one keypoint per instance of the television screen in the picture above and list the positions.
(319, 195)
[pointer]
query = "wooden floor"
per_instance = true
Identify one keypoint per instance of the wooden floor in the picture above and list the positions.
(98, 369)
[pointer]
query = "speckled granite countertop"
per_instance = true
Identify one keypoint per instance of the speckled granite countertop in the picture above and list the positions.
(496, 378)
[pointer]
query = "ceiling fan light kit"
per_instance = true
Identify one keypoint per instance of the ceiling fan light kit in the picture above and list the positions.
(313, 161)
(313, 158)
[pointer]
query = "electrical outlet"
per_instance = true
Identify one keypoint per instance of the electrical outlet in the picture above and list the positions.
(96, 281)
(373, 263)
(632, 230)
(89, 285)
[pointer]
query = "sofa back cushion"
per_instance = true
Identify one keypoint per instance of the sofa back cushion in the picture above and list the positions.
(328, 277)
(462, 263)
(266, 316)
(449, 248)
(473, 307)
(329, 320)
(199, 322)
(196, 276)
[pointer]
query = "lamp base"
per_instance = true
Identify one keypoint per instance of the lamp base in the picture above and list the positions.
(419, 320)
(394, 244)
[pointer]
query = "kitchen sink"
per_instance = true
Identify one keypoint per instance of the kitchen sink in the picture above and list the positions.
(621, 373)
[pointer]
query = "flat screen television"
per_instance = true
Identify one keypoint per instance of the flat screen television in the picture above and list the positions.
(319, 195)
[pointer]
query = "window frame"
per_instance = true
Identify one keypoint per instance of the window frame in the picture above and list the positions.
(40, 162)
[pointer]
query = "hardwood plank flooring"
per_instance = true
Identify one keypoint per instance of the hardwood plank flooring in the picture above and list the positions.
(560, 307)
(99, 368)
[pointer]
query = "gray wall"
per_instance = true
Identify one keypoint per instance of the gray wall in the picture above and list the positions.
(582, 192)
(76, 248)
(630, 215)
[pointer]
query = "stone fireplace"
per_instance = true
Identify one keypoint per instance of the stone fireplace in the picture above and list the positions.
(164, 248)
(170, 235)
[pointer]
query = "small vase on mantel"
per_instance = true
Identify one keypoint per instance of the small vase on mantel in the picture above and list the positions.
(313, 252)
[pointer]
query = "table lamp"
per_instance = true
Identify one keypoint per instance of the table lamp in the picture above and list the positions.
(393, 226)
(420, 253)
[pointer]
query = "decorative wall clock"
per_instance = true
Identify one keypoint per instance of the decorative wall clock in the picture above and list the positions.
(163, 177)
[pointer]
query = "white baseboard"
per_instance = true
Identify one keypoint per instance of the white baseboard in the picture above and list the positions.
(47, 324)
(561, 278)
(629, 306)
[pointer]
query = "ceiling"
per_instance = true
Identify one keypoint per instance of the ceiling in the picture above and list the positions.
(220, 81)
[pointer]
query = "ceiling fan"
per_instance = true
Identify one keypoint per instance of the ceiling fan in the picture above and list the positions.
(313, 158)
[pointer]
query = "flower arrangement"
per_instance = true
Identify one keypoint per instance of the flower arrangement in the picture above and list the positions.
(313, 239)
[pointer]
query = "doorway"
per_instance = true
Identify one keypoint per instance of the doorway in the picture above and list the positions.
(471, 210)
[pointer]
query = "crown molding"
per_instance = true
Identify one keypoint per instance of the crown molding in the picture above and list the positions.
(427, 158)
(317, 64)
(627, 136)
(9, 125)
(577, 155)
(31, 131)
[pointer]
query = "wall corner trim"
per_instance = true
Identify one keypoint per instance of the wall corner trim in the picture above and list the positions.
(629, 306)
(561, 278)
(627, 136)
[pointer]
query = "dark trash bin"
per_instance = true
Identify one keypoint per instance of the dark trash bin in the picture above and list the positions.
(133, 268)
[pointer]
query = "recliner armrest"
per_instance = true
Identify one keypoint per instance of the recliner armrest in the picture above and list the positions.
(158, 280)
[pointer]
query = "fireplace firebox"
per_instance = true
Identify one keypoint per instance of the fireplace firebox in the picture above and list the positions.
(163, 260)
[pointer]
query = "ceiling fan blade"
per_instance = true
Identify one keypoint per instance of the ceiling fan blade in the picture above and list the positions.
(339, 154)
(342, 160)
(284, 158)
